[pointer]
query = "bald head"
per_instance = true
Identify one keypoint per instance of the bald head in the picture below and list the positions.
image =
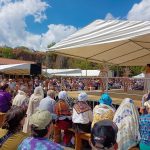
(51, 93)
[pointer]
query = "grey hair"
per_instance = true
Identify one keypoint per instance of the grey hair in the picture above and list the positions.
(51, 93)
(23, 88)
(38, 90)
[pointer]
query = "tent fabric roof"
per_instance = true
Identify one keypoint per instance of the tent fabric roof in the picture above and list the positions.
(124, 43)
(16, 69)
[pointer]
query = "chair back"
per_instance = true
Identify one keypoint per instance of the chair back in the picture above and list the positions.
(2, 117)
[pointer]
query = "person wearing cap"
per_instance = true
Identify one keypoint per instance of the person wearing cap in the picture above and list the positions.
(64, 121)
(127, 120)
(104, 110)
(82, 114)
(144, 123)
(34, 101)
(40, 129)
(104, 135)
(5, 98)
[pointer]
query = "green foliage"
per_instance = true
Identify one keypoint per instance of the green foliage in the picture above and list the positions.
(83, 64)
(135, 70)
(7, 52)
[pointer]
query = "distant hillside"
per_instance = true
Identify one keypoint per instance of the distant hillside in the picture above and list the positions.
(47, 59)
(56, 61)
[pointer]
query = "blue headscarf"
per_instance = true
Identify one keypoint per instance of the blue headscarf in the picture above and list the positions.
(105, 99)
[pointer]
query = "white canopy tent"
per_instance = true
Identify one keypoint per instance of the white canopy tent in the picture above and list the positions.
(124, 43)
(15, 69)
(142, 75)
(62, 71)
(83, 73)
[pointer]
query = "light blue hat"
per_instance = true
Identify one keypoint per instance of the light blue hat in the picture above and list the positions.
(105, 99)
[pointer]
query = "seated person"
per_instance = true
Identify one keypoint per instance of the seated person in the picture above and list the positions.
(48, 103)
(5, 98)
(11, 134)
(126, 119)
(104, 110)
(82, 114)
(104, 135)
(144, 127)
(64, 121)
(40, 129)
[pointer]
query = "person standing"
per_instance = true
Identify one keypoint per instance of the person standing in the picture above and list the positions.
(21, 99)
(34, 101)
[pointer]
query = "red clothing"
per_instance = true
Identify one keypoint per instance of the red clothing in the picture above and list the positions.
(62, 108)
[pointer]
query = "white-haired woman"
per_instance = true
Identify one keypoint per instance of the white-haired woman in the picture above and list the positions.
(82, 114)
(34, 101)
(127, 120)
(64, 122)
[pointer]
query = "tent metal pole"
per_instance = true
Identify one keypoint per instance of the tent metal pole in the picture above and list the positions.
(86, 67)
(117, 71)
(107, 80)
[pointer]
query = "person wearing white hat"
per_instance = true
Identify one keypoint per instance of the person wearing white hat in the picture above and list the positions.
(82, 114)
(64, 122)
(144, 127)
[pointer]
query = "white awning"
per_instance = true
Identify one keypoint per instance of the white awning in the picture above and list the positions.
(15, 69)
(142, 75)
(124, 43)
(73, 72)
(62, 71)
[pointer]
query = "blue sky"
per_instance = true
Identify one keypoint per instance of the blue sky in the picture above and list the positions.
(37, 23)
(79, 13)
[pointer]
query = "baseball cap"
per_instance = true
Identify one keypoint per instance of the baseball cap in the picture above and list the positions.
(40, 119)
(104, 133)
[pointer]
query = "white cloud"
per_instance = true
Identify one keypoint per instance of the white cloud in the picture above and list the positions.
(13, 26)
(109, 16)
(56, 33)
(140, 11)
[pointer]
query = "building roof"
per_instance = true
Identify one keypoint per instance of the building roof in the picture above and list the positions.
(6, 61)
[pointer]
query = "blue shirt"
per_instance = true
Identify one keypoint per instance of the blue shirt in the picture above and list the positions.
(144, 123)
(32, 143)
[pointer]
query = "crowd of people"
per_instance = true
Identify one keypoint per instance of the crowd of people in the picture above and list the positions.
(35, 118)
(72, 84)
